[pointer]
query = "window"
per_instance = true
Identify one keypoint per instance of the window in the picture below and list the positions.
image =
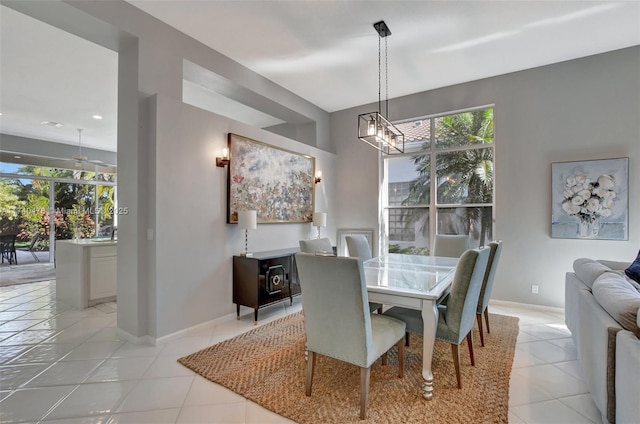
(81, 202)
(453, 197)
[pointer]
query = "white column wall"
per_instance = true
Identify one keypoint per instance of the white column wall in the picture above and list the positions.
(582, 109)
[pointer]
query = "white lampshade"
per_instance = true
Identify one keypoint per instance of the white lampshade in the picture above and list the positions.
(248, 220)
(320, 219)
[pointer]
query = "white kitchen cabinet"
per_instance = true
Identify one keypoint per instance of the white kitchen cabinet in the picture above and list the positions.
(86, 272)
(103, 265)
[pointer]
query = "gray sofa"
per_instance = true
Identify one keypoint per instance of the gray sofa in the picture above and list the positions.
(601, 311)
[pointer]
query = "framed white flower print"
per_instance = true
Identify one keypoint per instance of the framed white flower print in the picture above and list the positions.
(590, 199)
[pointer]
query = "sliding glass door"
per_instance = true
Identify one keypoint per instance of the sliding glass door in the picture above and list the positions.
(42, 205)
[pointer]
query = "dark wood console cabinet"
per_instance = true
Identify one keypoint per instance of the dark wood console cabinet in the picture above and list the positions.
(264, 279)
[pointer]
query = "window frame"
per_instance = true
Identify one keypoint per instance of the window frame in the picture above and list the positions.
(94, 182)
(432, 151)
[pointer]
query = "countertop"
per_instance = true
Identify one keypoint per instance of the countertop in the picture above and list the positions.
(90, 242)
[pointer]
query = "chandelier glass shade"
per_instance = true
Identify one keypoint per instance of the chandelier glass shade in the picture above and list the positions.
(373, 128)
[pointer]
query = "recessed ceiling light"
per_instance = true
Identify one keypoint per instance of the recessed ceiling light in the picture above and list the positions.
(97, 117)
(52, 124)
(17, 157)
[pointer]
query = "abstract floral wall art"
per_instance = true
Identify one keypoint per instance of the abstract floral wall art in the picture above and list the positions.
(277, 183)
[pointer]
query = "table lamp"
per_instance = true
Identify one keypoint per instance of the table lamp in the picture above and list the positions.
(247, 220)
(319, 220)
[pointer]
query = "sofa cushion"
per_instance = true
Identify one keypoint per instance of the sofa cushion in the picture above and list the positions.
(588, 270)
(615, 265)
(633, 271)
(633, 283)
(619, 298)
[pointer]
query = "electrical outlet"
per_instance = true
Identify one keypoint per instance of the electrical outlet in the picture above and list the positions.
(534, 288)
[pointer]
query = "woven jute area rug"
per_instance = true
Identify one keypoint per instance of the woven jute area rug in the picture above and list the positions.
(267, 365)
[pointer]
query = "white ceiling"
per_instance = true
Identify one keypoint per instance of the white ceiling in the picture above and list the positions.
(327, 51)
(50, 75)
(324, 51)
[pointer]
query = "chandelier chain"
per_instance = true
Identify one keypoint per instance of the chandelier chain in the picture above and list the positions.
(379, 74)
(386, 78)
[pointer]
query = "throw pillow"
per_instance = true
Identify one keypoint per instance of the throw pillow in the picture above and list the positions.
(588, 270)
(633, 271)
(616, 296)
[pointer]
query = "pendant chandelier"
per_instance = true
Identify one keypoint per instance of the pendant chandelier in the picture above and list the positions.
(374, 128)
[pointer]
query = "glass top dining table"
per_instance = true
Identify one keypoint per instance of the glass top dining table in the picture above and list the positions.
(422, 276)
(415, 282)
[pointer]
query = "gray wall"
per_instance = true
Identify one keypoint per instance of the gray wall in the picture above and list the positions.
(577, 110)
(193, 244)
(174, 273)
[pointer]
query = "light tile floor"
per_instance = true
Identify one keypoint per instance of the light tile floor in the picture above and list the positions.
(59, 365)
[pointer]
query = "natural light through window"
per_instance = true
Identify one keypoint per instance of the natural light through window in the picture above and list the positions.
(453, 197)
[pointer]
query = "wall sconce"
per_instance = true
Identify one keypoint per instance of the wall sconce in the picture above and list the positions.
(319, 220)
(247, 220)
(224, 160)
(318, 177)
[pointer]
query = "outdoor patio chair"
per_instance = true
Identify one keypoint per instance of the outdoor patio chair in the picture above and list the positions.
(8, 248)
(33, 246)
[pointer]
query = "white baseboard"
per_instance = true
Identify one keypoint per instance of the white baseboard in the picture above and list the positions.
(540, 308)
(153, 341)
(146, 340)
(196, 328)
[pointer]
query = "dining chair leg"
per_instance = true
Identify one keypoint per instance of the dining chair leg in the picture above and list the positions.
(470, 344)
(365, 374)
(486, 318)
(400, 345)
(379, 310)
(311, 364)
(479, 319)
(406, 339)
(455, 351)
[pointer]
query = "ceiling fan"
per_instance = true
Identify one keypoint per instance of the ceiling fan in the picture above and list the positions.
(81, 159)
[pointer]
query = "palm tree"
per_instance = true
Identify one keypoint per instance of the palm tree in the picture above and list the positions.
(464, 176)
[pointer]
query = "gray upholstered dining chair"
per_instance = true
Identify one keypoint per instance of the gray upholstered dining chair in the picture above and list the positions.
(487, 285)
(450, 245)
(456, 318)
(316, 245)
(358, 247)
(337, 321)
